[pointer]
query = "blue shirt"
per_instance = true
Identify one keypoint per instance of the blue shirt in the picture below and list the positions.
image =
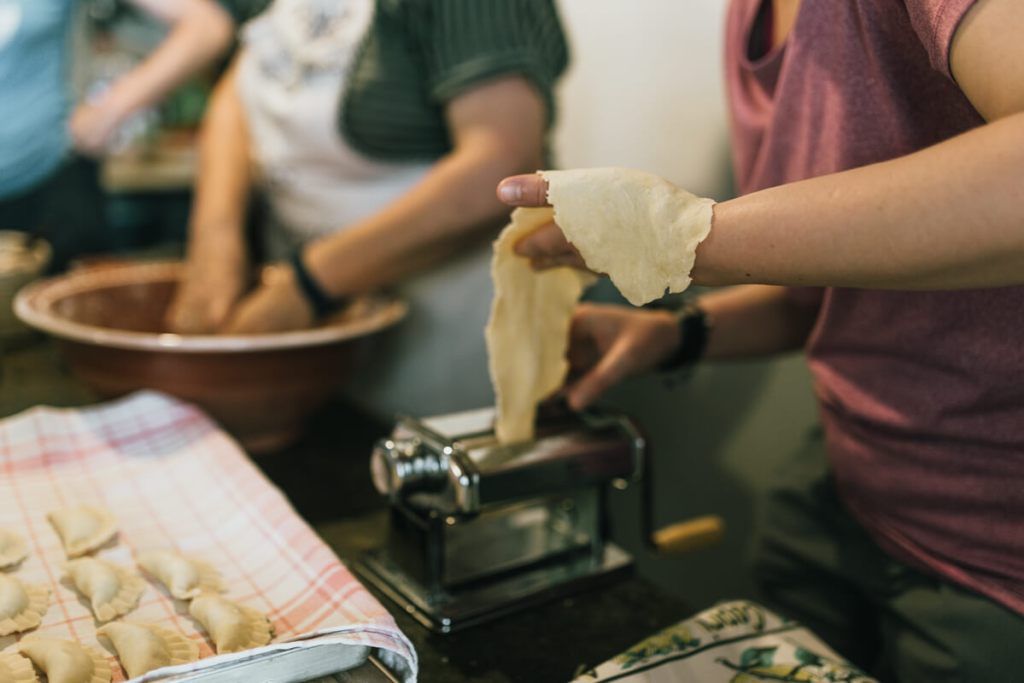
(33, 91)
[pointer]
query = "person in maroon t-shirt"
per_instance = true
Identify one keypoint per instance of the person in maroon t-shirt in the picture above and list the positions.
(879, 148)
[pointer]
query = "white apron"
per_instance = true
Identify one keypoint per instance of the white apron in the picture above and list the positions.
(291, 73)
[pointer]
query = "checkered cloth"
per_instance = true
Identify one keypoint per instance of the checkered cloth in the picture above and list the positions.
(173, 479)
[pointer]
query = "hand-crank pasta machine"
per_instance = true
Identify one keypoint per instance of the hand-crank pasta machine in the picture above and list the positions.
(479, 529)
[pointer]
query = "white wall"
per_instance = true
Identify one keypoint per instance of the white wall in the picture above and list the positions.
(645, 91)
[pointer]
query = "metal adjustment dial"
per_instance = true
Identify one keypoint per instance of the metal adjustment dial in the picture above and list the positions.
(402, 466)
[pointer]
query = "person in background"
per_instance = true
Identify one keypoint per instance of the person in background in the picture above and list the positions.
(879, 145)
(374, 130)
(46, 186)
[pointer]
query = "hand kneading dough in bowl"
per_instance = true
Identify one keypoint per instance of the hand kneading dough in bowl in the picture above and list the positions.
(65, 661)
(16, 669)
(83, 528)
(637, 227)
(144, 647)
(111, 590)
(528, 331)
(12, 548)
(22, 605)
(232, 627)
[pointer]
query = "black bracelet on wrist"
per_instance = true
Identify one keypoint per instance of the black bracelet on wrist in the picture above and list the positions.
(323, 303)
(694, 326)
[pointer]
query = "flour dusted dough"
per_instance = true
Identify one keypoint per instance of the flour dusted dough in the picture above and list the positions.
(184, 577)
(144, 647)
(528, 331)
(22, 605)
(12, 548)
(65, 661)
(83, 528)
(16, 669)
(232, 627)
(638, 228)
(111, 590)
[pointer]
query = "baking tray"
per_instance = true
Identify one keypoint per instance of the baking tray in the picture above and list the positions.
(295, 665)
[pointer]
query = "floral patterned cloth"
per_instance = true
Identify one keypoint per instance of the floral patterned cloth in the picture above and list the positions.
(733, 642)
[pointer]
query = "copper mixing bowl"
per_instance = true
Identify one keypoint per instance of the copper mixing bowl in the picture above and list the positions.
(260, 387)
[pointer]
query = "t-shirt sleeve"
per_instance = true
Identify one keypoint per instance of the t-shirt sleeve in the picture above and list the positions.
(469, 41)
(935, 22)
(243, 10)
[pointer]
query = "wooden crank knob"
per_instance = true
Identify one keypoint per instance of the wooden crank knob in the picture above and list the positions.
(693, 534)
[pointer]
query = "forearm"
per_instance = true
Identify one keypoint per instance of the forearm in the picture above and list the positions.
(223, 177)
(201, 32)
(947, 217)
(451, 206)
(756, 320)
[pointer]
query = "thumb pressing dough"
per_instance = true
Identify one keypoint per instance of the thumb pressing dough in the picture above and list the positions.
(528, 331)
(638, 228)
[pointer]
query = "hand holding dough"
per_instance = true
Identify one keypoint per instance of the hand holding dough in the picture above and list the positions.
(636, 227)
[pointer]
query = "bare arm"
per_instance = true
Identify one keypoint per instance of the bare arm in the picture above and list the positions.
(496, 128)
(946, 217)
(201, 32)
(610, 343)
(217, 262)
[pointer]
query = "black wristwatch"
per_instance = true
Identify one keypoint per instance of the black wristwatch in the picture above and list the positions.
(323, 303)
(694, 327)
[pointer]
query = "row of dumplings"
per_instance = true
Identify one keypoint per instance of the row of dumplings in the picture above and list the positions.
(113, 591)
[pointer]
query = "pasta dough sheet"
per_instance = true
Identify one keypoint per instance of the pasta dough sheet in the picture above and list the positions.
(528, 331)
(637, 227)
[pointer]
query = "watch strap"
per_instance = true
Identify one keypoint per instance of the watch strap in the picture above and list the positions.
(322, 303)
(694, 326)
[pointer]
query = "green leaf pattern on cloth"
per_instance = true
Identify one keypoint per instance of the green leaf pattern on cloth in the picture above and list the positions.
(733, 642)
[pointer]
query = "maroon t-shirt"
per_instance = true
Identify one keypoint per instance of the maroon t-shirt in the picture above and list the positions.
(922, 393)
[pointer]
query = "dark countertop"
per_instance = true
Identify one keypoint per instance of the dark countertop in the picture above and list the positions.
(325, 476)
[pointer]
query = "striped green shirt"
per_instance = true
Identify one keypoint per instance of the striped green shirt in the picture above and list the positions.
(419, 54)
